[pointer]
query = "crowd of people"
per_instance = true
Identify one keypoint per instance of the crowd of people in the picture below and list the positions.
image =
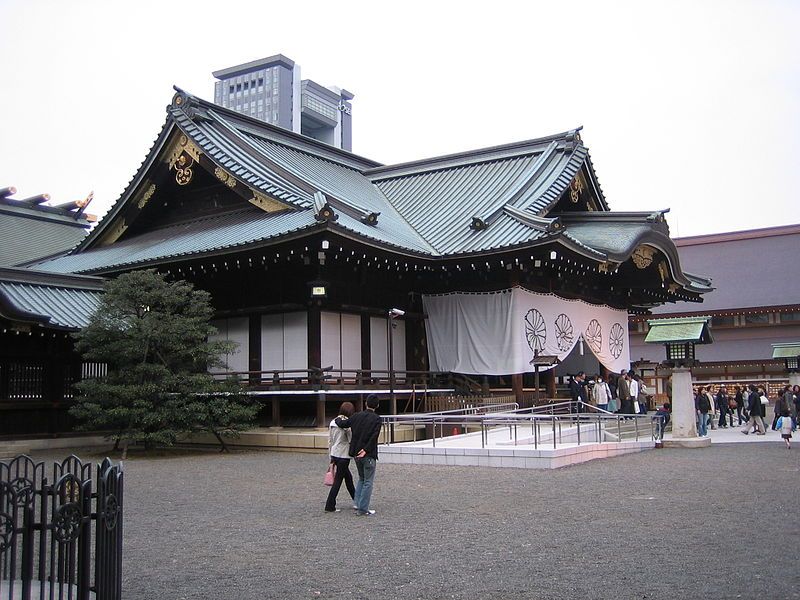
(748, 404)
(624, 394)
(627, 394)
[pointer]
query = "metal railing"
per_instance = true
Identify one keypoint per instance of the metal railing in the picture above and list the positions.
(389, 422)
(48, 546)
(561, 419)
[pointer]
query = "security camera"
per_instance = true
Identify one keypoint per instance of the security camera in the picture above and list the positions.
(396, 312)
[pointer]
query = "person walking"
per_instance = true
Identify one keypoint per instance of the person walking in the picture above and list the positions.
(633, 391)
(702, 406)
(776, 411)
(786, 405)
(339, 451)
(723, 407)
(738, 399)
(755, 413)
(366, 427)
(713, 411)
(641, 394)
(623, 393)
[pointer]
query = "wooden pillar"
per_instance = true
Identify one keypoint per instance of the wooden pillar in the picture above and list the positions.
(314, 337)
(276, 411)
(366, 347)
(254, 343)
(321, 421)
(549, 377)
(315, 358)
(516, 385)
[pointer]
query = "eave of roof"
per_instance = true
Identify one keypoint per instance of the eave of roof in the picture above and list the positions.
(50, 278)
(786, 350)
(52, 300)
(683, 329)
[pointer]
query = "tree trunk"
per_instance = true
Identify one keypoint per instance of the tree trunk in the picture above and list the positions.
(224, 447)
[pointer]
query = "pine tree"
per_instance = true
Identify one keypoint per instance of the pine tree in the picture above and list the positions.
(153, 336)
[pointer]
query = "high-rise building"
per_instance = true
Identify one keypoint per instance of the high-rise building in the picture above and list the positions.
(270, 89)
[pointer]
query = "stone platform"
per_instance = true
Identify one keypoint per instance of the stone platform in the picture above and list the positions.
(505, 448)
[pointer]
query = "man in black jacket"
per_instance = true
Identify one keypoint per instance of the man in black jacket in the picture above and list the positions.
(755, 409)
(366, 427)
(577, 390)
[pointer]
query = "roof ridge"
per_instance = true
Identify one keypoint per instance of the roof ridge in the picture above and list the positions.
(478, 155)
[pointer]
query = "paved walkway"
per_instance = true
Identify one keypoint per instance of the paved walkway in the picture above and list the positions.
(668, 523)
(735, 436)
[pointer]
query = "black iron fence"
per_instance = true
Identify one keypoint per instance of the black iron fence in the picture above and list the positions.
(59, 538)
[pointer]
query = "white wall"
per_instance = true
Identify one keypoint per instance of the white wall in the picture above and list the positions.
(284, 342)
(233, 330)
(341, 340)
(379, 349)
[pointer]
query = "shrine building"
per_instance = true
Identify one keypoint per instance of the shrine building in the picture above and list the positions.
(339, 276)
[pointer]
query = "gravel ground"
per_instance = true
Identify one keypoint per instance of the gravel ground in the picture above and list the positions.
(712, 523)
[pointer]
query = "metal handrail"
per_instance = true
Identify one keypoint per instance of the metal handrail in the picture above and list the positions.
(516, 417)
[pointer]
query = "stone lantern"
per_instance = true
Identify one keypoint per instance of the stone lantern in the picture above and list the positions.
(680, 336)
(789, 352)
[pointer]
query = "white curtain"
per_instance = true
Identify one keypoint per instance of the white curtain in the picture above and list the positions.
(496, 333)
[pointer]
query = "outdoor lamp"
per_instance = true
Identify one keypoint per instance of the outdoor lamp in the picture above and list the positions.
(790, 353)
(319, 289)
(680, 336)
(680, 352)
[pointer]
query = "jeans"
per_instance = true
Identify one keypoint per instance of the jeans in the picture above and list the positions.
(342, 474)
(724, 412)
(366, 474)
(702, 421)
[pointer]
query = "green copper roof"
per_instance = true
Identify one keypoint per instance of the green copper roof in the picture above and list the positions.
(684, 329)
(786, 350)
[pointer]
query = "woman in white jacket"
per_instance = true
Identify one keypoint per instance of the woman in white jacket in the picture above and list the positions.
(601, 394)
(339, 450)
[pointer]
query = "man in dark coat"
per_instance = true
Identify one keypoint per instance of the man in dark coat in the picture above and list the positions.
(366, 427)
(577, 390)
(624, 392)
(756, 410)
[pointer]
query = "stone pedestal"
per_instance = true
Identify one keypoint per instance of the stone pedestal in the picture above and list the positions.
(684, 416)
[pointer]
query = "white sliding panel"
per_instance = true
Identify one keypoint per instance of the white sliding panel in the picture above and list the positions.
(351, 341)
(272, 342)
(378, 350)
(295, 335)
(237, 331)
(330, 332)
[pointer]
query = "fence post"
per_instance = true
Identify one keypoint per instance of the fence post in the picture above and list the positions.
(85, 543)
(28, 513)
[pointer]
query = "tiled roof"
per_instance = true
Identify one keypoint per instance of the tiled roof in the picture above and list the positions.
(50, 299)
(31, 232)
(239, 228)
(461, 204)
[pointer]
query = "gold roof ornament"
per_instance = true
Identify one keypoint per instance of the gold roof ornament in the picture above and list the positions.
(643, 256)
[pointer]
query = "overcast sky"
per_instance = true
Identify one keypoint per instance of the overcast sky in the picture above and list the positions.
(691, 106)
